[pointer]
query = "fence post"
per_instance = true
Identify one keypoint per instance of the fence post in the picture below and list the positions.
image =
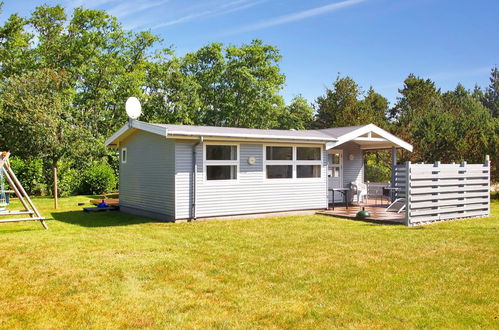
(408, 193)
(487, 164)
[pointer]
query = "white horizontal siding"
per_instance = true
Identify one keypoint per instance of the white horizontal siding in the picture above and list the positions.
(147, 178)
(353, 170)
(251, 193)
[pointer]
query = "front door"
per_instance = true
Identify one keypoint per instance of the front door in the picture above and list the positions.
(335, 173)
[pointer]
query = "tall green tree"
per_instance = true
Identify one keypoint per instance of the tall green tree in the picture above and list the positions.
(36, 119)
(490, 98)
(299, 114)
(374, 109)
(340, 105)
(345, 105)
(218, 86)
(103, 63)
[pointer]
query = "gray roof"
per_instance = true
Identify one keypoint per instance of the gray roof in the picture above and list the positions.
(319, 134)
(333, 137)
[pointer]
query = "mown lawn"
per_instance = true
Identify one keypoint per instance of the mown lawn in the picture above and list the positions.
(112, 270)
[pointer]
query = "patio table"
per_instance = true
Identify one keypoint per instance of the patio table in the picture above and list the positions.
(344, 191)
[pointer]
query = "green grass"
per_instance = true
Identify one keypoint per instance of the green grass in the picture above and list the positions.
(111, 270)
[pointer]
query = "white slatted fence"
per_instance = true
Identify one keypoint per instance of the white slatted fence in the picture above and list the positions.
(446, 191)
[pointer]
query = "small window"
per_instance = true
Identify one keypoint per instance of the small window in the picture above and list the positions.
(308, 153)
(219, 152)
(279, 171)
(308, 171)
(221, 162)
(123, 155)
(279, 153)
(334, 159)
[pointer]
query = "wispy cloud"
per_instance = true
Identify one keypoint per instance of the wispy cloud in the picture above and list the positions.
(125, 9)
(219, 10)
(87, 3)
(298, 16)
(450, 75)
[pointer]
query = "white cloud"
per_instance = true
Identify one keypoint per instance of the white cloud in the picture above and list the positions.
(219, 10)
(298, 16)
(125, 9)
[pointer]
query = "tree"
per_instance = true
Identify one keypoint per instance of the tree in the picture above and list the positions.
(102, 63)
(218, 86)
(375, 109)
(490, 98)
(340, 105)
(297, 115)
(37, 121)
(462, 129)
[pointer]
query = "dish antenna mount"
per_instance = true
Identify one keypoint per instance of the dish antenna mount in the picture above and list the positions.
(133, 107)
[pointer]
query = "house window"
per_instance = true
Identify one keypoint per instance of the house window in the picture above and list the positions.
(308, 153)
(286, 162)
(279, 153)
(308, 162)
(124, 155)
(279, 163)
(308, 171)
(221, 162)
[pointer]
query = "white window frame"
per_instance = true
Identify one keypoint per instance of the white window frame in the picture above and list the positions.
(308, 162)
(207, 163)
(124, 159)
(294, 162)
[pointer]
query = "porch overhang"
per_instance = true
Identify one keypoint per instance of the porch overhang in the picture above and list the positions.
(371, 137)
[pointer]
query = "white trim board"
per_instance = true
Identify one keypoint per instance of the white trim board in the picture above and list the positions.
(371, 128)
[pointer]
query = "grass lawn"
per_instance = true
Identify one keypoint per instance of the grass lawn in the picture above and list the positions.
(110, 270)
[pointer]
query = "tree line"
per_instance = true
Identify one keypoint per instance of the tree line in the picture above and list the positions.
(64, 79)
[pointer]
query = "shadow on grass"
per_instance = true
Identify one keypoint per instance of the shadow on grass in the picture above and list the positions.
(99, 219)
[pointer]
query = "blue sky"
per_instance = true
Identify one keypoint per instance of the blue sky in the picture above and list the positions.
(376, 42)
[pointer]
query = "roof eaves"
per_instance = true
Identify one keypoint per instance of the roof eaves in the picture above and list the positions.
(253, 136)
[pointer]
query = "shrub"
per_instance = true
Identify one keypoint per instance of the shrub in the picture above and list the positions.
(98, 179)
(69, 182)
(30, 174)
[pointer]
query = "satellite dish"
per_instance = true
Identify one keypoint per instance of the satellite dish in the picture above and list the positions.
(133, 107)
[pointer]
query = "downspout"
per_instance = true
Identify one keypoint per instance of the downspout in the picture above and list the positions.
(194, 178)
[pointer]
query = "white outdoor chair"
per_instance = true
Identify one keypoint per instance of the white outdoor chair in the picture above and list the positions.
(360, 190)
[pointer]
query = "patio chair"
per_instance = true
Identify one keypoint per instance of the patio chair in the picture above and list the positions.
(398, 205)
(359, 189)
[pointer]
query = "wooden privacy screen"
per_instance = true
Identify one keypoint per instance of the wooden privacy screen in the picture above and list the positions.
(438, 192)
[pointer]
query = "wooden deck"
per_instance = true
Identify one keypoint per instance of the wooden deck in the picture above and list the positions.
(378, 214)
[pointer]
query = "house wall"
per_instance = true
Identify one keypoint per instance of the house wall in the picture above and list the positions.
(251, 193)
(147, 178)
(353, 170)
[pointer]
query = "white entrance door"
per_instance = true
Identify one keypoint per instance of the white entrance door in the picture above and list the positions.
(335, 173)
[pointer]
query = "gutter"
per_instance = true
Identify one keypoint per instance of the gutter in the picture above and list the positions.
(195, 175)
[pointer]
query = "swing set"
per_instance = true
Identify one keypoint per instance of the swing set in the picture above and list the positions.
(30, 212)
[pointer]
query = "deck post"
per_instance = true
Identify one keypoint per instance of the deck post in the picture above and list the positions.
(408, 193)
(394, 164)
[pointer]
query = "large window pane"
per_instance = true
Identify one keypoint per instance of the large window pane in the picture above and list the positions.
(217, 152)
(279, 153)
(308, 171)
(308, 153)
(279, 171)
(221, 172)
